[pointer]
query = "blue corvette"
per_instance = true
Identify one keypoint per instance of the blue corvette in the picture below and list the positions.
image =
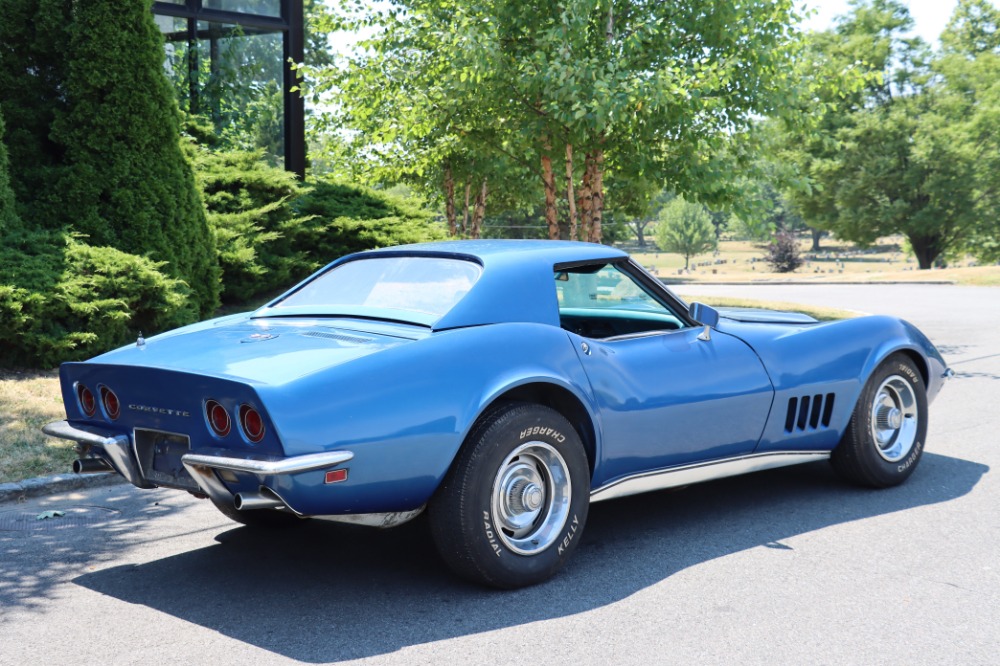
(502, 386)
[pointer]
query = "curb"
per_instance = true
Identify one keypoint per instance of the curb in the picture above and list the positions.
(54, 485)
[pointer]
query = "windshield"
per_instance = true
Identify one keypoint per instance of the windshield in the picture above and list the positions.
(426, 287)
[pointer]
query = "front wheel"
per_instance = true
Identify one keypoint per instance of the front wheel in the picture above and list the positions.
(512, 508)
(885, 439)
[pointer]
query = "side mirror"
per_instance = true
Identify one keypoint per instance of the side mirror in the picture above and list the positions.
(705, 315)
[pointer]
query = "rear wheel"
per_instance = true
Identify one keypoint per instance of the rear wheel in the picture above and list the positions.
(512, 508)
(885, 439)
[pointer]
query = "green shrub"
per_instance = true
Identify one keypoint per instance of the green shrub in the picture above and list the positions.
(351, 219)
(783, 253)
(61, 299)
(271, 230)
(249, 206)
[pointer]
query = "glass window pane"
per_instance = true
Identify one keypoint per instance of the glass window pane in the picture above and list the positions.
(605, 302)
(605, 288)
(261, 7)
(240, 86)
(412, 284)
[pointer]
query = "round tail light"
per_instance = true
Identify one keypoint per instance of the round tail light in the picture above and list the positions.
(87, 401)
(251, 423)
(112, 407)
(218, 418)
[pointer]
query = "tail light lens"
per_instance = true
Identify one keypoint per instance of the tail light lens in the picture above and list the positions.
(251, 423)
(87, 401)
(112, 407)
(218, 418)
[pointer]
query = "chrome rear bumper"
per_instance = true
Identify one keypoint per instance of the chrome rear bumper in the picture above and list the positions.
(119, 452)
(116, 449)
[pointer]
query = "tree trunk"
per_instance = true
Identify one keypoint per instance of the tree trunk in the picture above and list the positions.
(926, 249)
(549, 181)
(570, 197)
(586, 199)
(596, 233)
(640, 231)
(480, 212)
(816, 235)
(465, 218)
(449, 200)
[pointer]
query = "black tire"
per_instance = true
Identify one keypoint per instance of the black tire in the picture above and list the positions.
(260, 518)
(885, 439)
(512, 508)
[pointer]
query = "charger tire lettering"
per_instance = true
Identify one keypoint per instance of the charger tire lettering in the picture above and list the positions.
(914, 455)
(539, 430)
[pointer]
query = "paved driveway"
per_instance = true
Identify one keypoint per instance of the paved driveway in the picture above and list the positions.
(783, 567)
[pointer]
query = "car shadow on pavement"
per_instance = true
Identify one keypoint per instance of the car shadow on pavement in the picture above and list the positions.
(48, 541)
(326, 592)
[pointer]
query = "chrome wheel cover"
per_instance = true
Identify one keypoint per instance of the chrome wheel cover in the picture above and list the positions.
(530, 499)
(894, 418)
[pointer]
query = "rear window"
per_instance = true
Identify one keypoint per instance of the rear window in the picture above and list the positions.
(428, 286)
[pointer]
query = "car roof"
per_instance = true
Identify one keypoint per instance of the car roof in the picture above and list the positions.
(517, 280)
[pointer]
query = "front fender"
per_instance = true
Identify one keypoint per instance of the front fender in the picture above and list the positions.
(830, 361)
(908, 338)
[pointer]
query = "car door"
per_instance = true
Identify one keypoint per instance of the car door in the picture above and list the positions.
(665, 396)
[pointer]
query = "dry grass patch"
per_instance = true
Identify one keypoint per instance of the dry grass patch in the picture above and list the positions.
(821, 313)
(29, 400)
(742, 261)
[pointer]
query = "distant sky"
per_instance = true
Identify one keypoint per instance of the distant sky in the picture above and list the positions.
(930, 16)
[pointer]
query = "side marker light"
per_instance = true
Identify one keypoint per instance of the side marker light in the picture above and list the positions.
(336, 475)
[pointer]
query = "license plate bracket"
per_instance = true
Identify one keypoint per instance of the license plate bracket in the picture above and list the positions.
(159, 455)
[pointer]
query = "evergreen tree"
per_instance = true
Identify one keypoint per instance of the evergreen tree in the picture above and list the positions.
(33, 37)
(127, 183)
(7, 215)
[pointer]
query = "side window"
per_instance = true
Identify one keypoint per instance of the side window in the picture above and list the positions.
(603, 301)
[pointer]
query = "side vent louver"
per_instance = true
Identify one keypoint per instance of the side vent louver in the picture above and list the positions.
(337, 336)
(809, 412)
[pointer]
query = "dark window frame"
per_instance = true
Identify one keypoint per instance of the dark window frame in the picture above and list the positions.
(292, 28)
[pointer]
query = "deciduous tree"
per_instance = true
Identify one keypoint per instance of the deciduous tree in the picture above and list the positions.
(685, 228)
(915, 150)
(596, 89)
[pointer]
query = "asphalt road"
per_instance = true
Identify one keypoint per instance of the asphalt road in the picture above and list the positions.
(783, 567)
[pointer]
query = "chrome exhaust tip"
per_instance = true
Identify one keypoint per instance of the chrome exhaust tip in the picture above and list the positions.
(91, 466)
(259, 500)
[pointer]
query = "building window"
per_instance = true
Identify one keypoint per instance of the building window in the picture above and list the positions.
(228, 60)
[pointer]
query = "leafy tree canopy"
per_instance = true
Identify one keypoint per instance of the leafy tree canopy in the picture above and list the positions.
(914, 150)
(619, 91)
